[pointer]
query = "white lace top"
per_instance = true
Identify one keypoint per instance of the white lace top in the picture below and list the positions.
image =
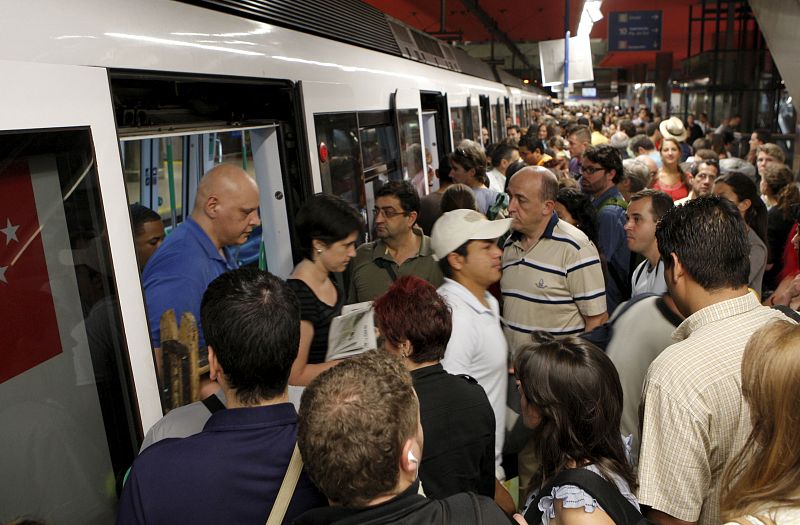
(573, 497)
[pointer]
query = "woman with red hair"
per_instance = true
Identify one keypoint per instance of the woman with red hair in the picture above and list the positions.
(457, 420)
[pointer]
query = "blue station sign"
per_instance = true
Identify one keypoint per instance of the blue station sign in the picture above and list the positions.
(634, 31)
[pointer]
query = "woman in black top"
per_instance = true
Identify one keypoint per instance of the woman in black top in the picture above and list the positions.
(326, 228)
(778, 184)
(457, 420)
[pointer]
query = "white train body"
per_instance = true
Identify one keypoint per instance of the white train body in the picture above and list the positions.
(59, 61)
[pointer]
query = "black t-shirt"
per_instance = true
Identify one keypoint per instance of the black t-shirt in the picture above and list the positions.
(459, 428)
(778, 228)
(317, 313)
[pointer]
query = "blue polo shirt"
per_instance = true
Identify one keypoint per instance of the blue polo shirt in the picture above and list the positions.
(229, 473)
(613, 245)
(178, 273)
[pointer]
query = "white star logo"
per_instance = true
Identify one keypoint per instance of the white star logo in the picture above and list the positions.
(10, 231)
(3, 274)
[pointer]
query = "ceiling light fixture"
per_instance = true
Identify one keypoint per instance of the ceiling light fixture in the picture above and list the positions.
(589, 15)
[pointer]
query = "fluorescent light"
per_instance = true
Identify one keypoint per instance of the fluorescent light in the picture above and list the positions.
(180, 43)
(589, 15)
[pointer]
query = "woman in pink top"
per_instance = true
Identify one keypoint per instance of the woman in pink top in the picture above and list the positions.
(670, 179)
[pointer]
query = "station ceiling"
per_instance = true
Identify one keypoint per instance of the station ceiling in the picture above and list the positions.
(526, 22)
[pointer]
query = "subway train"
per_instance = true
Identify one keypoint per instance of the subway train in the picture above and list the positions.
(107, 103)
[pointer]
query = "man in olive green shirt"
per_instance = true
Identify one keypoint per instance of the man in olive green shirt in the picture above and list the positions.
(401, 249)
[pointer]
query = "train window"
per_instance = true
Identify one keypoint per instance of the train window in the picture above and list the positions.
(474, 113)
(495, 124)
(379, 152)
(459, 116)
(410, 141)
(67, 419)
(234, 148)
(340, 156)
(147, 163)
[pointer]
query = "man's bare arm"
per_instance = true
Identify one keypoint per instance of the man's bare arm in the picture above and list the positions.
(593, 321)
(665, 519)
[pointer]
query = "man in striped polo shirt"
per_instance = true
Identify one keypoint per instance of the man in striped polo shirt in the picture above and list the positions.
(552, 277)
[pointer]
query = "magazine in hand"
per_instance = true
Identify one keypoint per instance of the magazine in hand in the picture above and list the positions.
(351, 333)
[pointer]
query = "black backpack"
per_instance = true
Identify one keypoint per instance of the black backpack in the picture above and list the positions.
(601, 336)
(607, 495)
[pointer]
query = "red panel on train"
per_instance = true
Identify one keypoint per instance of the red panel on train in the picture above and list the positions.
(28, 325)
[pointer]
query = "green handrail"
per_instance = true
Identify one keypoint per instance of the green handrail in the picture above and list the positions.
(171, 183)
(262, 250)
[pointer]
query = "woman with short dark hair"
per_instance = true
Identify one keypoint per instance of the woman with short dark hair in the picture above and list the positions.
(326, 229)
(457, 420)
(571, 397)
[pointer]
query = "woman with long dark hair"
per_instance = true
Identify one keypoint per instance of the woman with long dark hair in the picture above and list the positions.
(572, 398)
(777, 184)
(741, 191)
(762, 483)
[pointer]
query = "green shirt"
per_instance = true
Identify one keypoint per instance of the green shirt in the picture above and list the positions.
(368, 279)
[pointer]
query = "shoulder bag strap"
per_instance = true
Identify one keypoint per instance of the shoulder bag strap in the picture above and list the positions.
(287, 489)
(387, 265)
(607, 495)
(213, 403)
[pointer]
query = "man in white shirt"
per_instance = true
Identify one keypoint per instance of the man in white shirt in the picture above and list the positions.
(644, 211)
(503, 155)
(465, 242)
(703, 172)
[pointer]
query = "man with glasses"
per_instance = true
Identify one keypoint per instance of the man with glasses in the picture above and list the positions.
(601, 170)
(400, 248)
(703, 174)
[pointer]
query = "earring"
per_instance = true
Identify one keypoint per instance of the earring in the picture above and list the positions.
(319, 251)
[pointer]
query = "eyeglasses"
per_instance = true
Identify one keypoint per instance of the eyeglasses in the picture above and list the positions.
(387, 212)
(589, 170)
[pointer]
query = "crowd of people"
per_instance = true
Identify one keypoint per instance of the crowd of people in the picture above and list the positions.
(602, 306)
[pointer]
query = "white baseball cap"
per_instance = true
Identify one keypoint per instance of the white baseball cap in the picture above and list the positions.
(456, 227)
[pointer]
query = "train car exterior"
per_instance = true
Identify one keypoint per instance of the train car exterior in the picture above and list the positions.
(106, 103)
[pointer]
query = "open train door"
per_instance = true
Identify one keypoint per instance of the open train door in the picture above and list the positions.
(486, 120)
(405, 108)
(436, 128)
(77, 381)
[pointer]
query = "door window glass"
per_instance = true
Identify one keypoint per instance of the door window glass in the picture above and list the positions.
(459, 116)
(340, 156)
(67, 415)
(414, 157)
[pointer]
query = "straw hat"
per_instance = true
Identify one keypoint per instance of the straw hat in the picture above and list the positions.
(673, 128)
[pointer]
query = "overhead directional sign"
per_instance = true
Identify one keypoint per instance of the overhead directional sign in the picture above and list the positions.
(634, 31)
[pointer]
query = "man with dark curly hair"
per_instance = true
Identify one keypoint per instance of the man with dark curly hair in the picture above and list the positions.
(601, 170)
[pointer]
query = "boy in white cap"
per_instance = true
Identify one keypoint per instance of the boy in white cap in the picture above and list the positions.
(465, 242)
